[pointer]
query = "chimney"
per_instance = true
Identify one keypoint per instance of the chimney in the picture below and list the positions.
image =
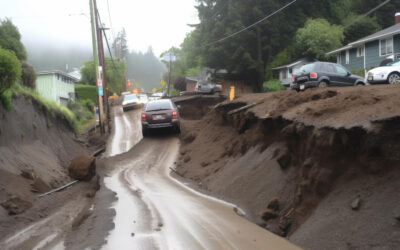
(397, 17)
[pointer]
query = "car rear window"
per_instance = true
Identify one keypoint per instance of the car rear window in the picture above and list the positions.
(159, 105)
(130, 97)
(307, 68)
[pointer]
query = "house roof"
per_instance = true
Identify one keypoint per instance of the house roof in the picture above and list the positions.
(292, 64)
(392, 30)
(52, 72)
(192, 78)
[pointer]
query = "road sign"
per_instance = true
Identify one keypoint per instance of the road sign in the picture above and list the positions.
(162, 82)
(99, 83)
(100, 89)
(169, 57)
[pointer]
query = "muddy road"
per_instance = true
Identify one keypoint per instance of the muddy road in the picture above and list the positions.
(156, 211)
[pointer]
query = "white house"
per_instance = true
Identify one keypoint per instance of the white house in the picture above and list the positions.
(56, 86)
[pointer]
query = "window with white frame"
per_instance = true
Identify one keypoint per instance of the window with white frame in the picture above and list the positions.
(360, 51)
(386, 46)
(284, 74)
(347, 57)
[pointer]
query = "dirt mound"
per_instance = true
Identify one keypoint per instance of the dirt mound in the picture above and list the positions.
(195, 107)
(301, 149)
(82, 167)
(15, 205)
(35, 150)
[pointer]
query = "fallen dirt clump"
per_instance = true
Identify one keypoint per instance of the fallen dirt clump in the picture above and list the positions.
(82, 167)
(285, 157)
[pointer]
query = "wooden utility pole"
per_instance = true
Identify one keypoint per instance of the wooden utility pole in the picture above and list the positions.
(96, 68)
(169, 76)
(100, 46)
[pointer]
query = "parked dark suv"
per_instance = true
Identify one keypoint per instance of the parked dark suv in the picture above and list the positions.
(160, 113)
(324, 74)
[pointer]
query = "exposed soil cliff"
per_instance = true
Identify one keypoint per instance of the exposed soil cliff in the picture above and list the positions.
(320, 166)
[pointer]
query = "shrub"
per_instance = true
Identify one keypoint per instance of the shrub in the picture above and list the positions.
(10, 69)
(86, 92)
(180, 84)
(273, 85)
(28, 76)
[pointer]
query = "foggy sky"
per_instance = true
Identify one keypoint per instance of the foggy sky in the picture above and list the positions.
(65, 24)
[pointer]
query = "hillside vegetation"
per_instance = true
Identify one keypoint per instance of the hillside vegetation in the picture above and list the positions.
(301, 29)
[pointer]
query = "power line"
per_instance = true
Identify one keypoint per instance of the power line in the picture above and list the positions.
(366, 14)
(252, 25)
(108, 46)
(109, 17)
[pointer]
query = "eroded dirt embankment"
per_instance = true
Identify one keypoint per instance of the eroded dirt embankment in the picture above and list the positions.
(36, 147)
(320, 167)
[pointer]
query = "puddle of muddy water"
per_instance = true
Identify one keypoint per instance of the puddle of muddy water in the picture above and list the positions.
(133, 219)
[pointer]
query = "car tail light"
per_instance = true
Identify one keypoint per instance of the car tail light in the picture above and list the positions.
(293, 79)
(174, 113)
(313, 75)
(143, 116)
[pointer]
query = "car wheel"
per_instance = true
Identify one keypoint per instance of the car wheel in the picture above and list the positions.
(360, 84)
(394, 78)
(177, 130)
(323, 84)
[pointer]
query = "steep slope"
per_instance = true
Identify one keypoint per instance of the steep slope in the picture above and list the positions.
(321, 166)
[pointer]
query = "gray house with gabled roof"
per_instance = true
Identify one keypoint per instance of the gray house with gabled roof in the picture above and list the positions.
(372, 50)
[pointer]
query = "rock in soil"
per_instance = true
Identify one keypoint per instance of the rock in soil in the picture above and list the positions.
(397, 215)
(273, 204)
(269, 214)
(355, 205)
(15, 205)
(82, 167)
(28, 174)
(39, 185)
(186, 159)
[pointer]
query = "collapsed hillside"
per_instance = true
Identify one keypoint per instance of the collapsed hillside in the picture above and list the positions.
(320, 167)
(36, 147)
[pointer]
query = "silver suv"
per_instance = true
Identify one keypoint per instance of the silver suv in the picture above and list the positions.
(203, 87)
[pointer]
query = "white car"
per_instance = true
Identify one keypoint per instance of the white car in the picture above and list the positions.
(143, 98)
(385, 74)
(130, 102)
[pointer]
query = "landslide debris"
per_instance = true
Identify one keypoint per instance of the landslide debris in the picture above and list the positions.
(82, 167)
(282, 156)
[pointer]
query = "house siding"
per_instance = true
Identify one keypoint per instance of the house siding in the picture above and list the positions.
(372, 54)
(63, 89)
(51, 88)
(356, 63)
(44, 86)
(396, 43)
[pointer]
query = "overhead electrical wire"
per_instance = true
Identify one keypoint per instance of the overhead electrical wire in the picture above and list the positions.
(252, 25)
(109, 18)
(366, 14)
(108, 46)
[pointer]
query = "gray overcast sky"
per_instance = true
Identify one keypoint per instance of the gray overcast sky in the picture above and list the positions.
(157, 23)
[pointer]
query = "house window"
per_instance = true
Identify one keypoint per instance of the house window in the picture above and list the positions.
(386, 46)
(347, 57)
(360, 51)
(339, 58)
(283, 74)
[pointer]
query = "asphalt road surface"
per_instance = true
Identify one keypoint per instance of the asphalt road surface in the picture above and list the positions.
(155, 211)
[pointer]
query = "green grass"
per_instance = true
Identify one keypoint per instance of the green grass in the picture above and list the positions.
(273, 85)
(86, 92)
(55, 110)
